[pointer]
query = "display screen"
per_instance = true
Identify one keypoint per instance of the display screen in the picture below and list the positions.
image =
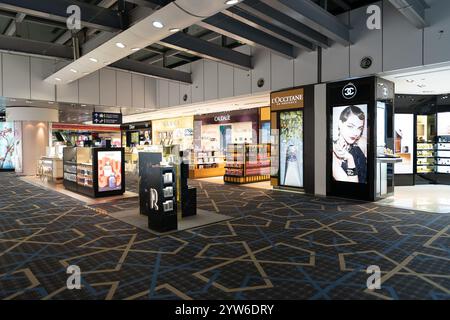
(109, 170)
(7, 147)
(265, 132)
(443, 124)
(404, 143)
(349, 163)
(291, 148)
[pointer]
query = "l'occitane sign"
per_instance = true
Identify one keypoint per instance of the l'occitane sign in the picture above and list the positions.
(289, 99)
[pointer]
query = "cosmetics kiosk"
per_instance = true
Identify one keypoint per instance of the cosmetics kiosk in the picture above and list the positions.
(360, 118)
(94, 172)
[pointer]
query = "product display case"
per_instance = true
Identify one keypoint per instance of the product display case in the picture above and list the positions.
(442, 155)
(246, 163)
(206, 163)
(95, 172)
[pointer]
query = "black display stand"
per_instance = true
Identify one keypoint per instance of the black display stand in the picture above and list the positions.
(159, 198)
(188, 194)
(73, 169)
(365, 91)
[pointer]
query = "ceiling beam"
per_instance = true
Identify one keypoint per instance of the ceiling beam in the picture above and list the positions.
(59, 51)
(315, 17)
(258, 23)
(35, 47)
(413, 10)
(12, 27)
(152, 70)
(44, 22)
(283, 21)
(92, 16)
(240, 31)
(208, 50)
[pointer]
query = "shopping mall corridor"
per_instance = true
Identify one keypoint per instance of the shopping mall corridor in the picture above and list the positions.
(278, 245)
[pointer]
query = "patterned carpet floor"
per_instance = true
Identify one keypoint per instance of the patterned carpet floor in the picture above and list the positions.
(278, 245)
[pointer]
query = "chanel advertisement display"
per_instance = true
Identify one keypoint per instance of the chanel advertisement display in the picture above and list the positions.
(404, 143)
(350, 143)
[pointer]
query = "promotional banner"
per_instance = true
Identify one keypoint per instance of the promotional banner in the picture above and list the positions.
(7, 146)
(349, 163)
(443, 122)
(291, 148)
(404, 143)
(109, 170)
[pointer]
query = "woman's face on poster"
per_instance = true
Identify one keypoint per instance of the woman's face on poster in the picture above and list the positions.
(352, 129)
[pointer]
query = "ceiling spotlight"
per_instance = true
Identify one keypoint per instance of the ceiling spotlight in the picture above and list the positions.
(106, 62)
(28, 101)
(73, 70)
(83, 105)
(409, 80)
(13, 100)
(421, 85)
(173, 30)
(50, 102)
(93, 59)
(135, 49)
(120, 45)
(158, 24)
(85, 73)
(58, 79)
(231, 2)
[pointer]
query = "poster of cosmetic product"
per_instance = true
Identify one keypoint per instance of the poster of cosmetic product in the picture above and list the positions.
(349, 163)
(7, 146)
(291, 148)
(404, 143)
(109, 171)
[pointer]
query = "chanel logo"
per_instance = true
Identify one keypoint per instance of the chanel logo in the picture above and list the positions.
(349, 91)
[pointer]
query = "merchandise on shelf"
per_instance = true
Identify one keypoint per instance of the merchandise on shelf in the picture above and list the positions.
(247, 163)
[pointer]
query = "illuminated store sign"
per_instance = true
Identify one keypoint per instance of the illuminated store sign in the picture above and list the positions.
(287, 99)
(222, 118)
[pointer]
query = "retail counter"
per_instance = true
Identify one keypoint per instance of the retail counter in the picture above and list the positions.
(51, 168)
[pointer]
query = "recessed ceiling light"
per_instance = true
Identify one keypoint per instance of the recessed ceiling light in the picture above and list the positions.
(173, 30)
(421, 85)
(120, 45)
(107, 62)
(231, 2)
(135, 49)
(158, 24)
(73, 70)
(13, 100)
(58, 79)
(50, 102)
(28, 101)
(85, 73)
(93, 59)
(409, 80)
(83, 105)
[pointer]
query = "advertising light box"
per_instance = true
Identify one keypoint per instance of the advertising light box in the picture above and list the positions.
(7, 146)
(109, 171)
(404, 143)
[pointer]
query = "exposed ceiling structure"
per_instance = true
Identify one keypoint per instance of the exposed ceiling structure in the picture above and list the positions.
(126, 34)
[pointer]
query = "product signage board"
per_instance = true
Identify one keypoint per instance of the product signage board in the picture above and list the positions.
(289, 99)
(291, 148)
(404, 143)
(106, 118)
(250, 115)
(109, 170)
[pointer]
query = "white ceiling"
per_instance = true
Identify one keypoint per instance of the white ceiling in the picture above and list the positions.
(425, 80)
(247, 102)
(179, 14)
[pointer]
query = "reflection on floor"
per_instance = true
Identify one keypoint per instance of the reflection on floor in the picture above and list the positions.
(430, 198)
(258, 185)
(278, 245)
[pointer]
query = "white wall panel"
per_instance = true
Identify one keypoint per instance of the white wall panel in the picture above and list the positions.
(138, 90)
(211, 80)
(402, 42)
(163, 93)
(174, 93)
(67, 92)
(242, 78)
(305, 69)
(365, 43)
(261, 69)
(90, 89)
(198, 88)
(150, 93)
(16, 76)
(226, 81)
(41, 69)
(123, 89)
(185, 89)
(108, 87)
(282, 70)
(336, 59)
(437, 44)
